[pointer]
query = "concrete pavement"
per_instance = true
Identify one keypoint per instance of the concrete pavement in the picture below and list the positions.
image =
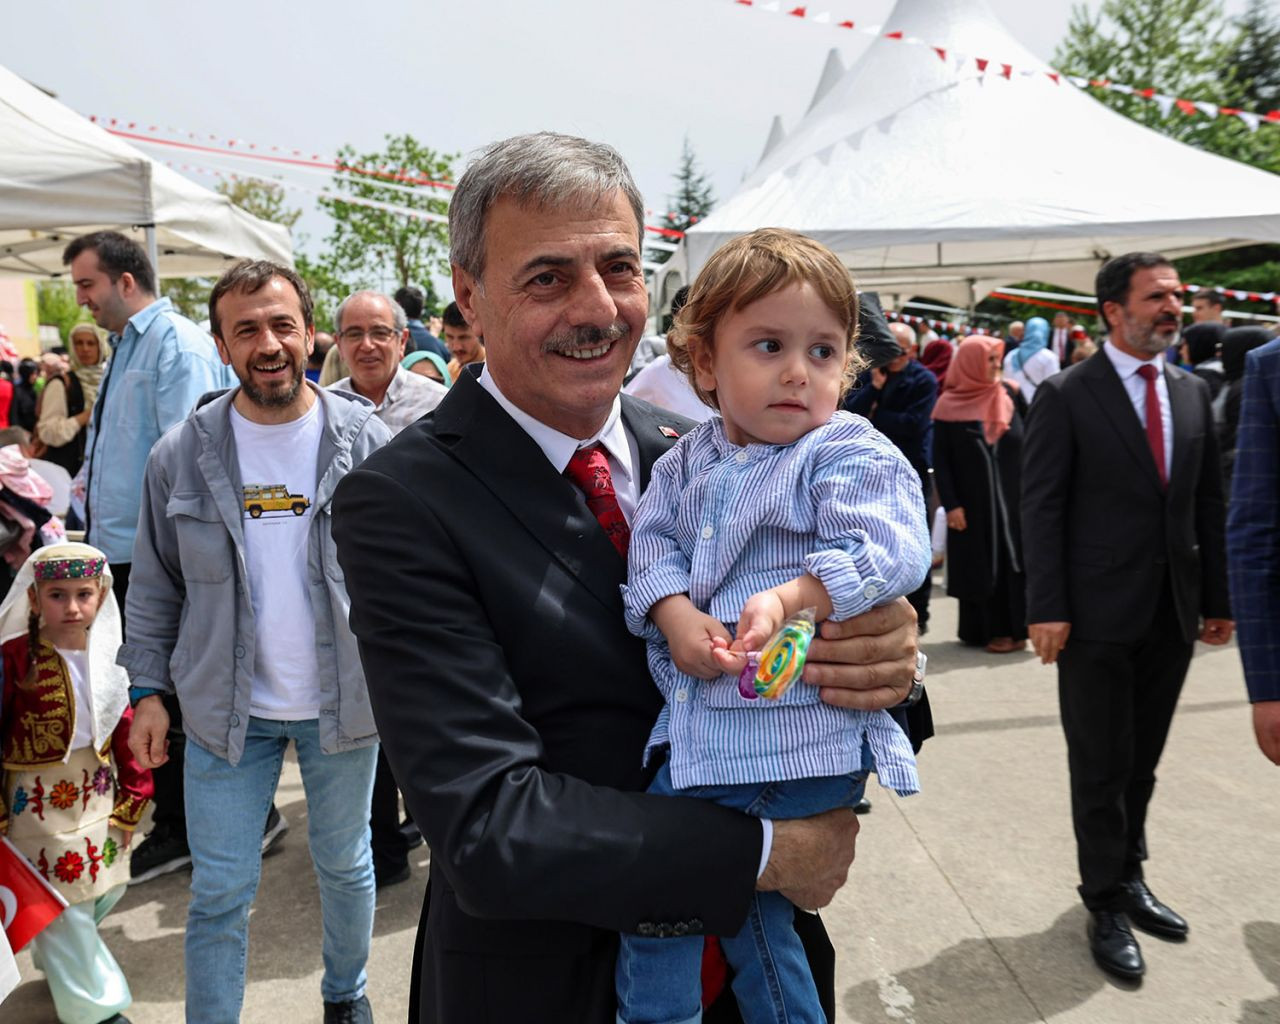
(961, 907)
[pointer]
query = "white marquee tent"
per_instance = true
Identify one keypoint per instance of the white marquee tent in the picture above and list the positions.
(61, 176)
(920, 175)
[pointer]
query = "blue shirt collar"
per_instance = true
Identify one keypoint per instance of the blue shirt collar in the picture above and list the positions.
(141, 321)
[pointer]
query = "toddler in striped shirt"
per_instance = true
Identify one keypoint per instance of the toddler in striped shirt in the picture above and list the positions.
(778, 504)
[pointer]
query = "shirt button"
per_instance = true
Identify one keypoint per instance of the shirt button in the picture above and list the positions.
(707, 533)
(234, 720)
(239, 651)
(741, 456)
(870, 591)
(682, 696)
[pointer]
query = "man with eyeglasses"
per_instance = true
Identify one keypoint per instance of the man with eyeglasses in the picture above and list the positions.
(372, 330)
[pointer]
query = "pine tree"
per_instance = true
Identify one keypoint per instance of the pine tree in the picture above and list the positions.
(692, 200)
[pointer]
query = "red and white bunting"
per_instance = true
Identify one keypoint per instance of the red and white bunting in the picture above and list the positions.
(984, 65)
(1234, 293)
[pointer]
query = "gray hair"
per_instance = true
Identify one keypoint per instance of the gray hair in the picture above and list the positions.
(398, 319)
(544, 169)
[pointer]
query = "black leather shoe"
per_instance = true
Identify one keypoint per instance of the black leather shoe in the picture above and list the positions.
(1149, 914)
(863, 806)
(1113, 946)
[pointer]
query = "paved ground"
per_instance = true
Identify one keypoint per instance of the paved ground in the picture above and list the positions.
(961, 908)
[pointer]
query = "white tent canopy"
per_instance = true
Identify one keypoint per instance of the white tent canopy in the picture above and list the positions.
(62, 176)
(907, 168)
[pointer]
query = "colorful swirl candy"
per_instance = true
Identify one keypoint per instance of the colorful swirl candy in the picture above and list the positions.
(772, 671)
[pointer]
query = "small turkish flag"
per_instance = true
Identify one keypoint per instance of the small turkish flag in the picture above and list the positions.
(27, 902)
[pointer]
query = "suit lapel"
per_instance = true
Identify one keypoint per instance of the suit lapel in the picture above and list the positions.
(1108, 391)
(654, 431)
(492, 446)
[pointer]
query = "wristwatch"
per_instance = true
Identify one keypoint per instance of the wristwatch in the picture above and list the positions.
(917, 682)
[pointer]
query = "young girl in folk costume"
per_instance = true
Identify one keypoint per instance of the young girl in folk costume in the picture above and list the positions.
(72, 791)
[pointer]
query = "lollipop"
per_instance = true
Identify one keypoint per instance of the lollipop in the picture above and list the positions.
(771, 671)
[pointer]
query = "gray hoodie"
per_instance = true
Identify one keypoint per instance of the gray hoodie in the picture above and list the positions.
(189, 613)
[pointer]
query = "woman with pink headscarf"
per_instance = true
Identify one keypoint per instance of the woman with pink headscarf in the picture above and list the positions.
(977, 445)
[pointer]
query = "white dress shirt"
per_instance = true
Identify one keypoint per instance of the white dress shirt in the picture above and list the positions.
(1127, 367)
(624, 461)
(1058, 342)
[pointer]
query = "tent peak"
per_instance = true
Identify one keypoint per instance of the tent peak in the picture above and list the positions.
(832, 72)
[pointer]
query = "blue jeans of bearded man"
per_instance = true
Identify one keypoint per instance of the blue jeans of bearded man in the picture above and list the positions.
(659, 980)
(226, 813)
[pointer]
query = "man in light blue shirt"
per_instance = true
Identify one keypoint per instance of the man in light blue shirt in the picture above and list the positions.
(161, 363)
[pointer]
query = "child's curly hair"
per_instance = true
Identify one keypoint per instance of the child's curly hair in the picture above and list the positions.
(749, 268)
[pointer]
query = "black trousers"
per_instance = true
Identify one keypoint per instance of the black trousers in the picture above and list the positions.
(1117, 703)
(390, 846)
(167, 805)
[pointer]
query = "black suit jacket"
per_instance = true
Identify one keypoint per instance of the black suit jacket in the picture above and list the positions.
(514, 706)
(1100, 533)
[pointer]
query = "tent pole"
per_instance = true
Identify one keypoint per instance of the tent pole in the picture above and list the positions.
(973, 298)
(152, 252)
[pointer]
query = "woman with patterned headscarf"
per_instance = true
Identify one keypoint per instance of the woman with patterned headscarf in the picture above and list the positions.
(977, 447)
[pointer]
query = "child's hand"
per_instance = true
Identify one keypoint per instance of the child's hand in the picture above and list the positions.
(696, 644)
(692, 636)
(762, 616)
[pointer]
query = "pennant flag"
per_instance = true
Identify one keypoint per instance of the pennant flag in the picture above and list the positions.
(893, 35)
(1252, 120)
(1057, 79)
(1006, 70)
(942, 53)
(27, 902)
(1165, 103)
(1272, 115)
(845, 24)
(1186, 106)
(982, 63)
(1207, 108)
(796, 12)
(1146, 94)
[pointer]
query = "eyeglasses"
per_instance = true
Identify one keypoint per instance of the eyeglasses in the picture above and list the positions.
(379, 335)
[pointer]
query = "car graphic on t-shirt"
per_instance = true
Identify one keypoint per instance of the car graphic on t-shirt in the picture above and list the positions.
(259, 498)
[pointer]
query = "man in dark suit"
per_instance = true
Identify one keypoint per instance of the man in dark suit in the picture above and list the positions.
(511, 701)
(1253, 542)
(1120, 477)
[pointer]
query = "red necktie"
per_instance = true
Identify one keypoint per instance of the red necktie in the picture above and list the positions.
(1155, 422)
(589, 469)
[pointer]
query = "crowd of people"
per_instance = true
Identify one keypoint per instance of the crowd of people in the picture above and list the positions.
(266, 510)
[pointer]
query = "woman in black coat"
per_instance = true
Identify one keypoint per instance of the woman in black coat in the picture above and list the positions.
(977, 446)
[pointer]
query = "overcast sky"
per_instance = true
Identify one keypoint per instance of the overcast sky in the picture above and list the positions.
(640, 74)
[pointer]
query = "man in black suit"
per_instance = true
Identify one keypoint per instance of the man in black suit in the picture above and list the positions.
(1120, 477)
(511, 701)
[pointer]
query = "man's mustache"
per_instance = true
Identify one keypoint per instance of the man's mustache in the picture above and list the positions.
(586, 337)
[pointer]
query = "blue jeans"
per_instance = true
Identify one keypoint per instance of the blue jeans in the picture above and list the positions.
(659, 980)
(226, 814)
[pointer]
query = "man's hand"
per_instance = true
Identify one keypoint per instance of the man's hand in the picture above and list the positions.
(693, 636)
(1216, 631)
(810, 857)
(1048, 639)
(956, 520)
(1266, 729)
(867, 662)
(149, 734)
(878, 378)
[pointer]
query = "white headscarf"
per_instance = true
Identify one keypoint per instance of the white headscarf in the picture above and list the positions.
(108, 682)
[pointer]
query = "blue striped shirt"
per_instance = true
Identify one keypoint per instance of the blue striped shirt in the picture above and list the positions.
(720, 522)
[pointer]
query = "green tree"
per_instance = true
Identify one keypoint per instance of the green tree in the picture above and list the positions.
(692, 200)
(1256, 58)
(56, 305)
(1186, 49)
(378, 248)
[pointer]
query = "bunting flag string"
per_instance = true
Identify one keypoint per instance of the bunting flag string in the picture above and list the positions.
(1234, 293)
(1166, 103)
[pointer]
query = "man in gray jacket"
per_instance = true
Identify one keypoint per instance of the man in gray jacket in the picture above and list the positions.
(238, 606)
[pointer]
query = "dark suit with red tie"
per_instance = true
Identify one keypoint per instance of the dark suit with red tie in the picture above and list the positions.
(514, 707)
(1132, 565)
